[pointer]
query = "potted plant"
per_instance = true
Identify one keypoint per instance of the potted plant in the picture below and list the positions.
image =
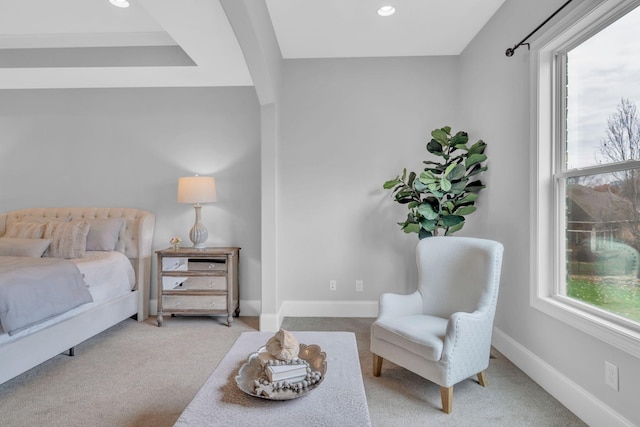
(446, 191)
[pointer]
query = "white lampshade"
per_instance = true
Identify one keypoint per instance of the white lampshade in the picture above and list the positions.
(197, 189)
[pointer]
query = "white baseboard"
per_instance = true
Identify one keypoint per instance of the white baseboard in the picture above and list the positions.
(586, 406)
(272, 321)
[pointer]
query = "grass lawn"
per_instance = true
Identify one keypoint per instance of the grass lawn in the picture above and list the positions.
(619, 295)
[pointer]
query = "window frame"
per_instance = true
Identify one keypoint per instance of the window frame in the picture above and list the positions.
(548, 95)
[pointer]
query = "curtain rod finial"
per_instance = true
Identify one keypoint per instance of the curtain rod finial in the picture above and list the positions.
(509, 52)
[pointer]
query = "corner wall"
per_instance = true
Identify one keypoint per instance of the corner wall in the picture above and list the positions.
(495, 103)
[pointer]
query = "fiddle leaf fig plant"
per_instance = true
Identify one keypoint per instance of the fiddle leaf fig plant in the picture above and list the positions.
(442, 195)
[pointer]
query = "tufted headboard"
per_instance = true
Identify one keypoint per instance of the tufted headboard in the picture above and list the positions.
(134, 240)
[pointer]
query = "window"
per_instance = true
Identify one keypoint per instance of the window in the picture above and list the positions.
(587, 223)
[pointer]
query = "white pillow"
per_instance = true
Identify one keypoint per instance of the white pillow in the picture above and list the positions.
(103, 234)
(11, 246)
(68, 239)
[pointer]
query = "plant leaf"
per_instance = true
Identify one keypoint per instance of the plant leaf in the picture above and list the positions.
(468, 198)
(427, 211)
(475, 158)
(412, 177)
(451, 220)
(458, 187)
(454, 228)
(457, 172)
(460, 138)
(441, 136)
(476, 169)
(411, 228)
(445, 184)
(424, 234)
(448, 170)
(465, 210)
(420, 186)
(428, 224)
(435, 148)
(427, 177)
(475, 186)
(391, 183)
(477, 148)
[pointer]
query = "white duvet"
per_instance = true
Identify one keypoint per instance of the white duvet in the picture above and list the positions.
(108, 276)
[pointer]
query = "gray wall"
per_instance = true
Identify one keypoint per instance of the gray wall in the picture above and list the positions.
(495, 103)
(128, 147)
(349, 125)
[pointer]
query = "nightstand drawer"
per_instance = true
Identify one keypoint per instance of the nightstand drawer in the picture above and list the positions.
(194, 302)
(207, 265)
(207, 283)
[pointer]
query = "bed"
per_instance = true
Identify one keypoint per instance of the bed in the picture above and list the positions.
(118, 280)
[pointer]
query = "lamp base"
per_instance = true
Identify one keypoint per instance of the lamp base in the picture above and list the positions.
(198, 233)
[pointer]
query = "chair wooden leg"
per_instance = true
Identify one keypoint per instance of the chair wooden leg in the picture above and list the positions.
(446, 394)
(482, 378)
(377, 365)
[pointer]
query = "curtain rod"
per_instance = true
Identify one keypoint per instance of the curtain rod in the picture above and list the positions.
(510, 51)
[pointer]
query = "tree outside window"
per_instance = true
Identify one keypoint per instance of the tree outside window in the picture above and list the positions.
(600, 172)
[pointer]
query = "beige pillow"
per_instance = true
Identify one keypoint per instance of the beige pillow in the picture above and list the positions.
(25, 230)
(68, 239)
(11, 246)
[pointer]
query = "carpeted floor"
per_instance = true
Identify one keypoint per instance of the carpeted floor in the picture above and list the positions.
(136, 374)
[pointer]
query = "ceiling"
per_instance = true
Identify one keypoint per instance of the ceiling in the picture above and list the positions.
(153, 43)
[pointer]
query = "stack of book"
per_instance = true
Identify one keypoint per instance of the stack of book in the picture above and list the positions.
(290, 373)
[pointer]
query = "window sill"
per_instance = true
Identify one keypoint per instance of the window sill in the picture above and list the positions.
(618, 336)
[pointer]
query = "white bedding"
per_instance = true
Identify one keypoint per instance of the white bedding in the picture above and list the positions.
(108, 276)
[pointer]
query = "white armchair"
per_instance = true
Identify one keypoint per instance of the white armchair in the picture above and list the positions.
(442, 331)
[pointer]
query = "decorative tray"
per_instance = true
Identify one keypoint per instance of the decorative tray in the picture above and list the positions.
(252, 380)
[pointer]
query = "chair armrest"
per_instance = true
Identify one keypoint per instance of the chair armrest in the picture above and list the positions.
(468, 334)
(394, 305)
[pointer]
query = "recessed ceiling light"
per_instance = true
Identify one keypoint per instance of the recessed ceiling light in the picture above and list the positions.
(119, 3)
(386, 10)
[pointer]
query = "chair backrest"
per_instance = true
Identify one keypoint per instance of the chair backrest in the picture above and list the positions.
(458, 274)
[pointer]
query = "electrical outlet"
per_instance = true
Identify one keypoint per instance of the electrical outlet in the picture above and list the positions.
(359, 285)
(611, 375)
(333, 285)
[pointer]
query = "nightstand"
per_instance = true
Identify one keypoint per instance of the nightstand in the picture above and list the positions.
(198, 281)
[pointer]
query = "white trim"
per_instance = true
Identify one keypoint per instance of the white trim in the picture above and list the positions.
(569, 31)
(586, 406)
(270, 322)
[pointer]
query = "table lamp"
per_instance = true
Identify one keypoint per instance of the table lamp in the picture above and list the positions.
(196, 190)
